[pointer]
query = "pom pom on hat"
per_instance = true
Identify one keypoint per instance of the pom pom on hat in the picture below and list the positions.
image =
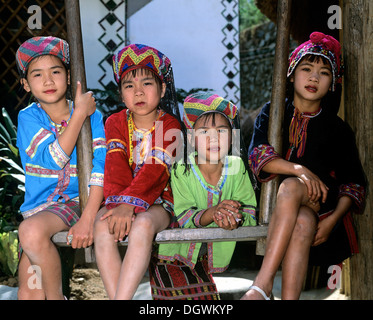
(321, 45)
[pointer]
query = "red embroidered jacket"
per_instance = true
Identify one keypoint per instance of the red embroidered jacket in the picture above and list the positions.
(138, 162)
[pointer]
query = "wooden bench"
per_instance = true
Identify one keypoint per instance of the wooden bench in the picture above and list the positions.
(257, 233)
(185, 235)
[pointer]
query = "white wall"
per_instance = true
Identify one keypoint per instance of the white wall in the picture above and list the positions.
(96, 31)
(192, 33)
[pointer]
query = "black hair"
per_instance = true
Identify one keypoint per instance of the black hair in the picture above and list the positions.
(242, 151)
(332, 99)
(24, 75)
(168, 102)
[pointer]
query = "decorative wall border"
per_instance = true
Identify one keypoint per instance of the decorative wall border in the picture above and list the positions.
(112, 37)
(230, 41)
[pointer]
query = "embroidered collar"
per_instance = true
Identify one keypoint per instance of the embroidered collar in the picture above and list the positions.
(213, 189)
(58, 128)
(298, 131)
(139, 133)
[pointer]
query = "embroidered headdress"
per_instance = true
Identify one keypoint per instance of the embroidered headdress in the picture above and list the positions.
(39, 46)
(321, 45)
(141, 56)
(135, 56)
(200, 103)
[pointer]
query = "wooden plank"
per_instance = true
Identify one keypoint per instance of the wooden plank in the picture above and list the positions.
(276, 114)
(192, 235)
(358, 94)
(84, 142)
(269, 189)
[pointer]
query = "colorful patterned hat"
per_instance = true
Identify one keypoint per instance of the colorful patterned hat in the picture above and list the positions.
(321, 45)
(201, 103)
(39, 46)
(141, 56)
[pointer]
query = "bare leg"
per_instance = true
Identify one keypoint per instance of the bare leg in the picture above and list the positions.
(291, 195)
(35, 236)
(107, 255)
(140, 240)
(29, 287)
(294, 264)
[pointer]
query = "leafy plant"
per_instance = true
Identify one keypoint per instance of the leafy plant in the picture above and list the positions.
(250, 15)
(12, 177)
(12, 190)
(9, 252)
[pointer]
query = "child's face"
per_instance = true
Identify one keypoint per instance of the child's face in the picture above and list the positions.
(141, 93)
(47, 79)
(212, 138)
(312, 80)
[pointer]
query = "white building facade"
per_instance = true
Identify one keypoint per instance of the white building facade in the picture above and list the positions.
(201, 38)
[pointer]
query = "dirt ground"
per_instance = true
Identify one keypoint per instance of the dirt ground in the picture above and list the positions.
(86, 284)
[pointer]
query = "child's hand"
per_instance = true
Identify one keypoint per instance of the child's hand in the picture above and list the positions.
(84, 102)
(82, 233)
(119, 221)
(226, 214)
(324, 229)
(315, 187)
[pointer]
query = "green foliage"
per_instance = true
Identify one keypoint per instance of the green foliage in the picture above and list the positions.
(107, 101)
(12, 190)
(12, 177)
(250, 15)
(9, 252)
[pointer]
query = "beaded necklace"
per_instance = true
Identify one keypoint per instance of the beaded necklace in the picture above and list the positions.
(132, 129)
(59, 128)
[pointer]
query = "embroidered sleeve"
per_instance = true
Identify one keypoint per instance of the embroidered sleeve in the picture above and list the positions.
(259, 157)
(97, 179)
(187, 213)
(99, 150)
(197, 217)
(116, 145)
(113, 201)
(244, 193)
(37, 144)
(356, 193)
(190, 218)
(143, 183)
(98, 143)
(58, 155)
(36, 141)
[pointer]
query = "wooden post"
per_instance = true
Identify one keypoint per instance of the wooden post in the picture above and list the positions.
(84, 143)
(358, 53)
(269, 189)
